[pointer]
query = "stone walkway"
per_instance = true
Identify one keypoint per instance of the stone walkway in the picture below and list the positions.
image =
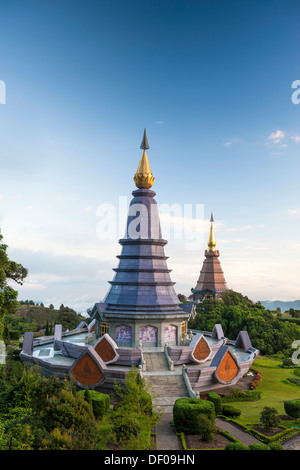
(292, 444)
(239, 434)
(166, 438)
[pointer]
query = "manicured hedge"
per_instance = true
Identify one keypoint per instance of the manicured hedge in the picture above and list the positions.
(186, 412)
(230, 411)
(292, 408)
(259, 446)
(216, 400)
(297, 371)
(277, 438)
(242, 395)
(99, 401)
(236, 446)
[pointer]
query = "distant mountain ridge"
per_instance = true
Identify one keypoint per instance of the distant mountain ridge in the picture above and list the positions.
(284, 306)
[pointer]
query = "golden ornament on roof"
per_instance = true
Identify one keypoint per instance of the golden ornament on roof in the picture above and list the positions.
(211, 238)
(144, 178)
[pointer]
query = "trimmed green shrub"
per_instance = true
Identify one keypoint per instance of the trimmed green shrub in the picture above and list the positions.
(236, 446)
(14, 334)
(230, 411)
(292, 408)
(99, 401)
(275, 446)
(216, 400)
(186, 412)
(241, 395)
(259, 446)
(297, 371)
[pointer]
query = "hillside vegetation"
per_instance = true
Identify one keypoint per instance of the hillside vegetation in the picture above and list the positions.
(268, 332)
(39, 319)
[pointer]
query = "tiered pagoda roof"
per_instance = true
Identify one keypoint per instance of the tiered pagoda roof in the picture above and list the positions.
(142, 284)
(211, 280)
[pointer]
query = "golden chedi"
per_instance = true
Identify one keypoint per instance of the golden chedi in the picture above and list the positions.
(144, 178)
(211, 238)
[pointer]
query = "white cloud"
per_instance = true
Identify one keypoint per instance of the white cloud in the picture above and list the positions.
(294, 211)
(235, 140)
(277, 136)
(296, 138)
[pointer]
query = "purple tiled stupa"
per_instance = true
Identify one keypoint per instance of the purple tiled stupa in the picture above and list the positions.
(141, 305)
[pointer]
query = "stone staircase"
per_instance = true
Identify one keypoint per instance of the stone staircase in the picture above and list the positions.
(156, 361)
(165, 386)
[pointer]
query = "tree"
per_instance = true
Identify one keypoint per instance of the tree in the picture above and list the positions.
(47, 329)
(235, 312)
(132, 418)
(56, 406)
(9, 271)
(206, 427)
(68, 318)
(269, 418)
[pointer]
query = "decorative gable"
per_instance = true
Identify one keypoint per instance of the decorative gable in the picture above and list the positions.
(106, 348)
(89, 369)
(227, 367)
(243, 341)
(201, 349)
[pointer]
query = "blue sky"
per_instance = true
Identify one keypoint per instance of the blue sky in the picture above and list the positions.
(211, 82)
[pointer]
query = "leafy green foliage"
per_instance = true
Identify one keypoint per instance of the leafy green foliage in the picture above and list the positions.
(206, 427)
(132, 418)
(216, 400)
(269, 417)
(39, 413)
(236, 312)
(230, 411)
(186, 412)
(236, 446)
(100, 401)
(292, 408)
(259, 446)
(9, 271)
(30, 317)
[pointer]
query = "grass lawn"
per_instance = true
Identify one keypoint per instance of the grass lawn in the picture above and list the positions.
(275, 390)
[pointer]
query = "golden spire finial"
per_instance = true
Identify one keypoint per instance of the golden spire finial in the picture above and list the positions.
(144, 178)
(211, 238)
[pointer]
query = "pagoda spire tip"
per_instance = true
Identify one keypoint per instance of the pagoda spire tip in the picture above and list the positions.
(144, 178)
(144, 145)
(211, 238)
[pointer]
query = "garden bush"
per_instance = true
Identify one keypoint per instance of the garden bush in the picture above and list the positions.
(297, 371)
(259, 446)
(275, 446)
(99, 401)
(292, 408)
(186, 412)
(216, 400)
(146, 402)
(206, 427)
(236, 446)
(14, 334)
(230, 411)
(241, 395)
